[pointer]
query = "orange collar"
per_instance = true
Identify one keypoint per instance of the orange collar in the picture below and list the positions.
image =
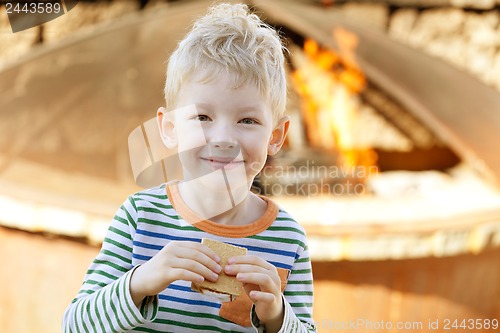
(233, 231)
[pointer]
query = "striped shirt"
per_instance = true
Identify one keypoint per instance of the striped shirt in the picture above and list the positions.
(149, 220)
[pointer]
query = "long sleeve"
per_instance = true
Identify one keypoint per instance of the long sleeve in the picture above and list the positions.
(104, 303)
(297, 299)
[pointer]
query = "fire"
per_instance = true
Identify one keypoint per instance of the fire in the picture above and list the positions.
(328, 83)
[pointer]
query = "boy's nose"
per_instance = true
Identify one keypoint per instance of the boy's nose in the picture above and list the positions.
(222, 136)
(223, 145)
(224, 149)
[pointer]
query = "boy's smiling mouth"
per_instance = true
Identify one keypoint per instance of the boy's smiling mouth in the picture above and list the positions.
(217, 162)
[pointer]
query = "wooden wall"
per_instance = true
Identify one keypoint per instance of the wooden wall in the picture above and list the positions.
(40, 276)
(407, 291)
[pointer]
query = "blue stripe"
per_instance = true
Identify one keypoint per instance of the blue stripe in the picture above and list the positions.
(165, 236)
(189, 301)
(146, 258)
(140, 257)
(289, 254)
(181, 288)
(252, 248)
(281, 265)
(147, 245)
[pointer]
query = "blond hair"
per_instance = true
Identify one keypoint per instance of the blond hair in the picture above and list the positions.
(230, 39)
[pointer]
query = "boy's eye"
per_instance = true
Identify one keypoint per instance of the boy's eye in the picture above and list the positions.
(248, 121)
(203, 117)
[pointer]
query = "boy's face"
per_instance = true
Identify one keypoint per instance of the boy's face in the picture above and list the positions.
(237, 126)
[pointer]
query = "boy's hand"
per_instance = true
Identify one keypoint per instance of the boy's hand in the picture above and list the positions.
(263, 285)
(178, 260)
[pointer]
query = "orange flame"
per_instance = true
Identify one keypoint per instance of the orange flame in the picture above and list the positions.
(327, 82)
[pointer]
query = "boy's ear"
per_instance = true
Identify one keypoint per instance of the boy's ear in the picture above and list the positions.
(166, 126)
(278, 136)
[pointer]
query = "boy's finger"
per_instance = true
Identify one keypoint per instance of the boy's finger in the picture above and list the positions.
(244, 268)
(183, 274)
(249, 259)
(205, 260)
(260, 296)
(197, 268)
(264, 281)
(198, 252)
(202, 248)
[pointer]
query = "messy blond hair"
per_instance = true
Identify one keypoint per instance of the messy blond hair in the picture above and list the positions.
(230, 39)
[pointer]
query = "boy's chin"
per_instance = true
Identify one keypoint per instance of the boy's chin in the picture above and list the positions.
(219, 181)
(211, 185)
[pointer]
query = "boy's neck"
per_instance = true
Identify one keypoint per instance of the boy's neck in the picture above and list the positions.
(249, 209)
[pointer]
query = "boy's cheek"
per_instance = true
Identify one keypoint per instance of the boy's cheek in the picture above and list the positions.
(189, 133)
(190, 137)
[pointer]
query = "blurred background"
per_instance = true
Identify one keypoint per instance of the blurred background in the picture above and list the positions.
(392, 163)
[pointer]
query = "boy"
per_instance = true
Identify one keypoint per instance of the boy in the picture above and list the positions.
(225, 93)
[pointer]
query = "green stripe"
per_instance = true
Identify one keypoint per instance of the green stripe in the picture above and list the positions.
(103, 273)
(304, 315)
(121, 220)
(279, 240)
(301, 271)
(144, 329)
(113, 291)
(119, 232)
(75, 317)
(158, 211)
(144, 309)
(120, 302)
(90, 317)
(132, 202)
(97, 313)
(128, 304)
(104, 306)
(159, 223)
(82, 304)
(305, 259)
(286, 218)
(157, 196)
(298, 293)
(155, 307)
(300, 282)
(157, 204)
(120, 245)
(129, 218)
(111, 264)
(116, 255)
(281, 228)
(301, 305)
(167, 225)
